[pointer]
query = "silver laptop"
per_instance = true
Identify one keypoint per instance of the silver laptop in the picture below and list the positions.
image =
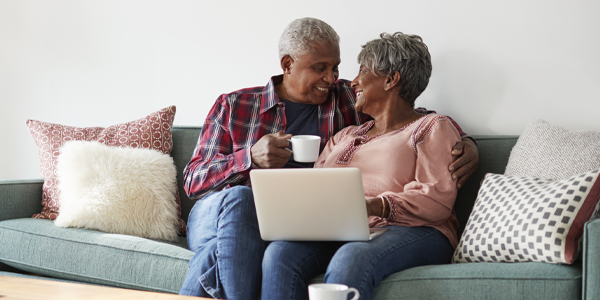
(323, 204)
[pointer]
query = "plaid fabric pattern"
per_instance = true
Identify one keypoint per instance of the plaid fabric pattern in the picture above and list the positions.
(239, 119)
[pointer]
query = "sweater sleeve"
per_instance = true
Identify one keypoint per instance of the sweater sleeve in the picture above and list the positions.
(429, 199)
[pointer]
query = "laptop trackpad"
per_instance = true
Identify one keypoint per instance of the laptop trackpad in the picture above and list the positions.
(375, 232)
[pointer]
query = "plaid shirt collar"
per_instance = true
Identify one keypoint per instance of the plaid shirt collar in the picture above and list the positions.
(269, 96)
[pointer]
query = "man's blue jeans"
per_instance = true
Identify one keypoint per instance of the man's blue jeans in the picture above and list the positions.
(287, 266)
(223, 233)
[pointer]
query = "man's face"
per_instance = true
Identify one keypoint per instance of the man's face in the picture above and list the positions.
(311, 76)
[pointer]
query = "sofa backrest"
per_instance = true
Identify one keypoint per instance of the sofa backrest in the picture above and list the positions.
(494, 151)
(184, 143)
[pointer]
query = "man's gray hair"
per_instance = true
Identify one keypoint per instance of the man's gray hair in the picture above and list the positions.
(400, 52)
(300, 37)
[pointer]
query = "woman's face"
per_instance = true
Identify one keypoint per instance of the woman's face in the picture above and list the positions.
(369, 91)
(312, 76)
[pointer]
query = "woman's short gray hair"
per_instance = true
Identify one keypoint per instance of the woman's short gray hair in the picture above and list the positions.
(300, 36)
(400, 52)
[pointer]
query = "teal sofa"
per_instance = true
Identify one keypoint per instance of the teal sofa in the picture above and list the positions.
(37, 246)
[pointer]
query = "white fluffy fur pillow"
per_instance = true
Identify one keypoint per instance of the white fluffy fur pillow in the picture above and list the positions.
(117, 190)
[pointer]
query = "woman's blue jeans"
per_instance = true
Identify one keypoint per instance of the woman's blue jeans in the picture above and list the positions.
(223, 233)
(287, 266)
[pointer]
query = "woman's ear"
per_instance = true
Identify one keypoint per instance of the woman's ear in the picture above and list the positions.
(286, 64)
(392, 81)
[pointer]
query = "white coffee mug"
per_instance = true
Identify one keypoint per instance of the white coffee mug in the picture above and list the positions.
(305, 147)
(331, 291)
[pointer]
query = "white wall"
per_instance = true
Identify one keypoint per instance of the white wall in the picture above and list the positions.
(96, 63)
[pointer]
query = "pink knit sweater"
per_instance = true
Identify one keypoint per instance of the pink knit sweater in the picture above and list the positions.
(408, 167)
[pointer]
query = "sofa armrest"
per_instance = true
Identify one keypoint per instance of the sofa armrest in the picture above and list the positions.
(20, 198)
(591, 260)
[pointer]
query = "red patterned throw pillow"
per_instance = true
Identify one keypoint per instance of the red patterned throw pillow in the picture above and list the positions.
(150, 132)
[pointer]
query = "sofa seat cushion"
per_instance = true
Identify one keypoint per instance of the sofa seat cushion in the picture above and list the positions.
(37, 246)
(526, 281)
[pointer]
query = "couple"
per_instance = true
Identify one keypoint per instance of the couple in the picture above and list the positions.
(410, 175)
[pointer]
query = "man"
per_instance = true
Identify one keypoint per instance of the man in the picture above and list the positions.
(249, 129)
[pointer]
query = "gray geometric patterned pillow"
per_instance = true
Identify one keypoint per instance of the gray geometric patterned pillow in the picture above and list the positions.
(548, 151)
(519, 219)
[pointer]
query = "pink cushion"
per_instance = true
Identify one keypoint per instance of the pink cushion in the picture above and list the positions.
(150, 132)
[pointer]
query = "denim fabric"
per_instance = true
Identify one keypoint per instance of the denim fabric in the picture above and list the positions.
(287, 266)
(223, 233)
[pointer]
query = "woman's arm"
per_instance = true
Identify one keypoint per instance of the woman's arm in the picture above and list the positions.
(428, 200)
(466, 150)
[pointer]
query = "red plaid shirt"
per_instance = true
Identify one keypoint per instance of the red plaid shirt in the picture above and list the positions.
(239, 119)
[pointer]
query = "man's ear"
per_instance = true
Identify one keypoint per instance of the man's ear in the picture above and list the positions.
(392, 81)
(286, 64)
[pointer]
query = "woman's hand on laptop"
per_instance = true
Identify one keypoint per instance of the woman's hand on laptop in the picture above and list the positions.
(271, 150)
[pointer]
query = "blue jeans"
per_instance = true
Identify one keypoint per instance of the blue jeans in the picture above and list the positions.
(223, 233)
(287, 266)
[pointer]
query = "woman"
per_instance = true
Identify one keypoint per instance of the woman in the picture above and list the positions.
(403, 157)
